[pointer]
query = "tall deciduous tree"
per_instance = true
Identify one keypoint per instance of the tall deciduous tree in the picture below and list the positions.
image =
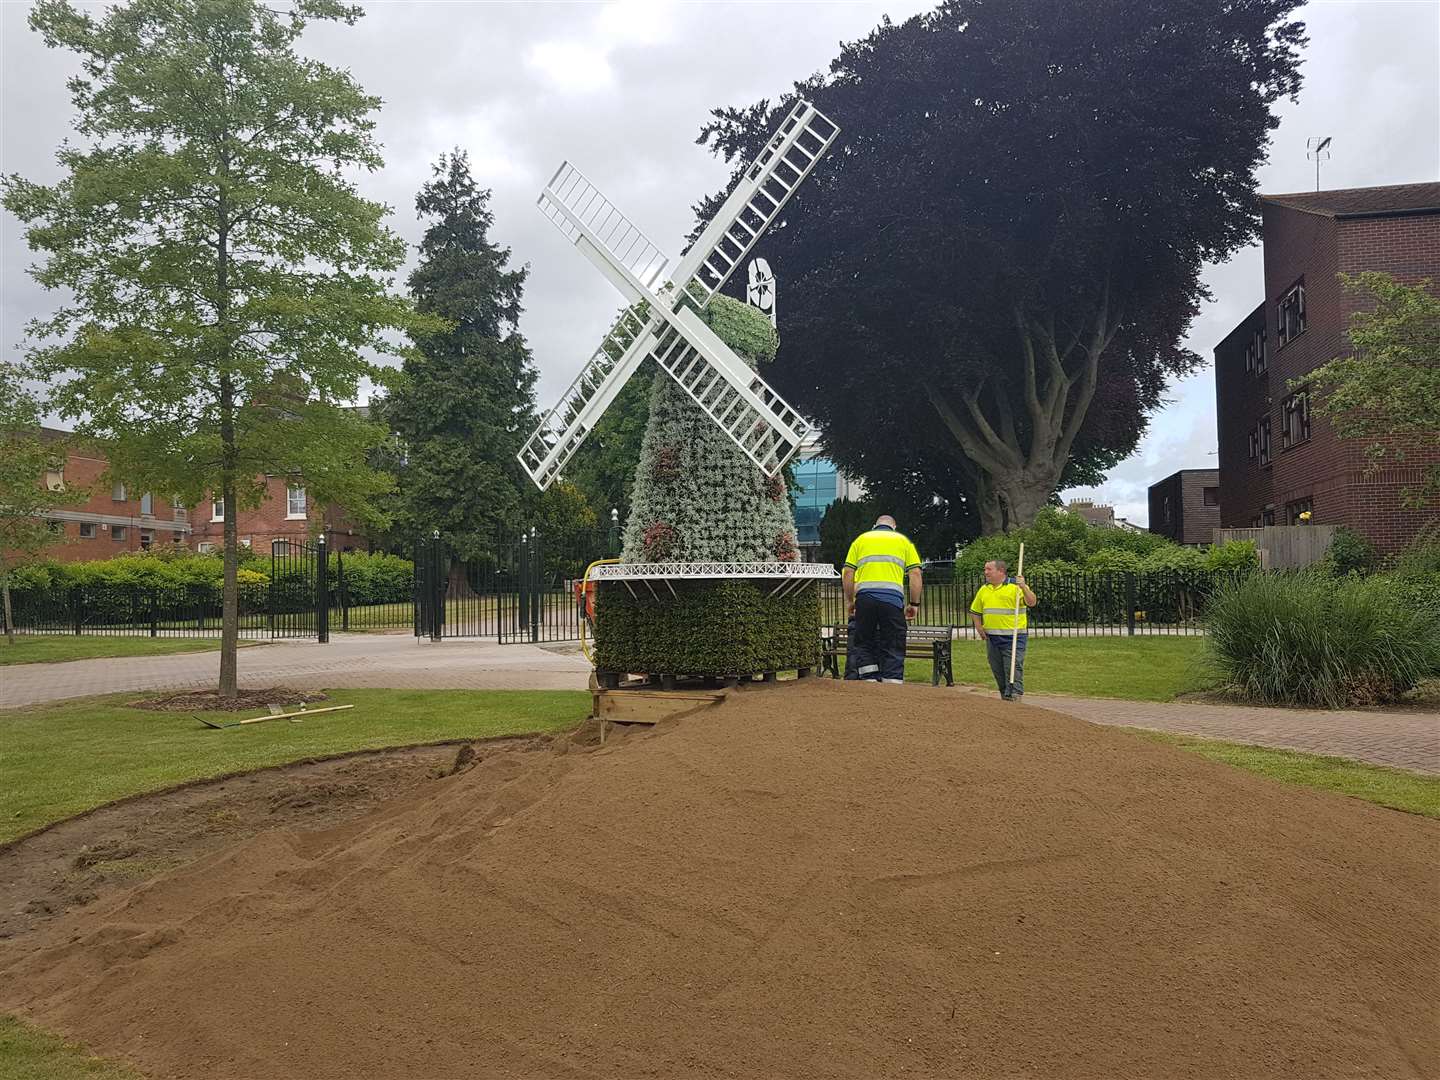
(26, 455)
(999, 263)
(468, 400)
(1387, 391)
(223, 268)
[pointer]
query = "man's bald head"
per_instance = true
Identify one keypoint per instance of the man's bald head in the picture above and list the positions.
(885, 519)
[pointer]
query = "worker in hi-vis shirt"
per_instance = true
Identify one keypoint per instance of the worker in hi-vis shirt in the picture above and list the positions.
(882, 584)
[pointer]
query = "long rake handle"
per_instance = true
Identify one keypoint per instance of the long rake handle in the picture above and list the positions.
(1015, 622)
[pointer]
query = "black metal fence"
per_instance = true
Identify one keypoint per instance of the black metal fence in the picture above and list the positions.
(525, 589)
(1078, 604)
(139, 610)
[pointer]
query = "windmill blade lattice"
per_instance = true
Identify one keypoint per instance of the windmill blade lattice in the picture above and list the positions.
(661, 321)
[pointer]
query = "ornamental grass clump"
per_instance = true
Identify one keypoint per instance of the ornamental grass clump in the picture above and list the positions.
(1307, 639)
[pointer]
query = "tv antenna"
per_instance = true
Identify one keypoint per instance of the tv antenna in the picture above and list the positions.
(1317, 148)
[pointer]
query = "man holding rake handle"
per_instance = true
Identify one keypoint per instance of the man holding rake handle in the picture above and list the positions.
(1000, 614)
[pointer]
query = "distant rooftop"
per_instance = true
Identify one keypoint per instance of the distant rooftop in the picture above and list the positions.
(1363, 202)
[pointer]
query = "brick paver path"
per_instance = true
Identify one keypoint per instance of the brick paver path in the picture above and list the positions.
(396, 661)
(1408, 740)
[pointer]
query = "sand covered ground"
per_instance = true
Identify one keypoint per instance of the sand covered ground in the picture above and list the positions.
(811, 880)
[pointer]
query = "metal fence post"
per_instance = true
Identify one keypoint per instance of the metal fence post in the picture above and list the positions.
(77, 607)
(342, 591)
(1130, 602)
(437, 584)
(537, 575)
(523, 583)
(322, 591)
(154, 613)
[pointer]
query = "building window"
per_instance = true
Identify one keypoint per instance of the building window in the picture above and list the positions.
(1290, 313)
(217, 509)
(147, 505)
(88, 530)
(118, 532)
(1255, 522)
(1165, 510)
(1212, 496)
(117, 493)
(1263, 438)
(1255, 353)
(1295, 427)
(1268, 518)
(204, 547)
(294, 502)
(57, 528)
(1299, 512)
(178, 511)
(55, 479)
(1253, 443)
(147, 540)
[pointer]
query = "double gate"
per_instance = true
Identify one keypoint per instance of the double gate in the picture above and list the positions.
(525, 589)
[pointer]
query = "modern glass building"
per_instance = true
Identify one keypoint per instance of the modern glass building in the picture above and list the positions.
(821, 483)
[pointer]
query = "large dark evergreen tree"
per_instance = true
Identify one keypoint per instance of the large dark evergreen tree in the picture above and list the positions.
(998, 264)
(467, 401)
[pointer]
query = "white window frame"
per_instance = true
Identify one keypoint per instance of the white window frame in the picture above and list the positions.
(1262, 432)
(147, 505)
(117, 493)
(55, 479)
(92, 526)
(290, 493)
(147, 539)
(1292, 302)
(217, 509)
(117, 532)
(205, 547)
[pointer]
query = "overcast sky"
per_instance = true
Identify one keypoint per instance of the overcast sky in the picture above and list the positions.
(621, 89)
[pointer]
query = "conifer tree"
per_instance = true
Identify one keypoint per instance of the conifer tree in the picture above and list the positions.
(468, 397)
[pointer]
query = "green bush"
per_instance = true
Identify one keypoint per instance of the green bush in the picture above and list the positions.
(1349, 553)
(1422, 556)
(1306, 639)
(1112, 560)
(1418, 591)
(376, 578)
(1174, 557)
(708, 628)
(1233, 555)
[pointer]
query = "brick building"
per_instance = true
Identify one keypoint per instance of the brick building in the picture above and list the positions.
(1276, 461)
(111, 520)
(1185, 506)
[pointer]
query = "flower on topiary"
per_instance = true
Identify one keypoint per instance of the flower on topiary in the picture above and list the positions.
(774, 488)
(784, 547)
(659, 541)
(666, 465)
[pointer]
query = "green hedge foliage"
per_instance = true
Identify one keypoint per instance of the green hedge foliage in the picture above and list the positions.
(723, 629)
(1309, 639)
(1060, 541)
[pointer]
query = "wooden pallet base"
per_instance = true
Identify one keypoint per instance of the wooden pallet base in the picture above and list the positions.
(650, 699)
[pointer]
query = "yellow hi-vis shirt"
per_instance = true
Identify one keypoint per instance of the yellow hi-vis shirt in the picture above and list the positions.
(881, 558)
(995, 604)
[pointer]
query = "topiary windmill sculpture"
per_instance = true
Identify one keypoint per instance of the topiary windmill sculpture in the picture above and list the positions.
(709, 584)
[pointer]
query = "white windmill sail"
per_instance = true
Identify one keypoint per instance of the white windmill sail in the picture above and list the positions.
(661, 322)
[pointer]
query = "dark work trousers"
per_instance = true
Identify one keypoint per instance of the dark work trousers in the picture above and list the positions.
(878, 639)
(998, 650)
(850, 664)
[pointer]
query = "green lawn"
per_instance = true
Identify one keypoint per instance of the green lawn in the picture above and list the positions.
(1140, 668)
(51, 648)
(27, 1053)
(59, 760)
(1395, 788)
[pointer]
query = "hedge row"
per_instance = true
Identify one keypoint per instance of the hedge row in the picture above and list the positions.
(721, 629)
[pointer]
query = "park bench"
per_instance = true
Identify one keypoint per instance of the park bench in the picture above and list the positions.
(931, 643)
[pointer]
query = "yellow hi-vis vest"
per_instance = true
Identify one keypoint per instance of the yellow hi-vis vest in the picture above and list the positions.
(880, 559)
(995, 604)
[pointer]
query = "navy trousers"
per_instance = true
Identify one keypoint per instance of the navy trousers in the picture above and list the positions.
(878, 639)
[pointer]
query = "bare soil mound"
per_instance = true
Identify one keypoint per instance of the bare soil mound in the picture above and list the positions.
(815, 880)
(245, 701)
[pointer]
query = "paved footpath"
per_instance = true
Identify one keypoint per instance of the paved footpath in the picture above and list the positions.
(395, 661)
(1405, 739)
(1409, 740)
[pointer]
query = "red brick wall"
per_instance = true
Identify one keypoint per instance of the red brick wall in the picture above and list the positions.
(1328, 471)
(1191, 521)
(269, 521)
(109, 515)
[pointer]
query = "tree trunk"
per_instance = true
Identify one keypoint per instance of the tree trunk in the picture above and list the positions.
(1023, 495)
(9, 617)
(229, 594)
